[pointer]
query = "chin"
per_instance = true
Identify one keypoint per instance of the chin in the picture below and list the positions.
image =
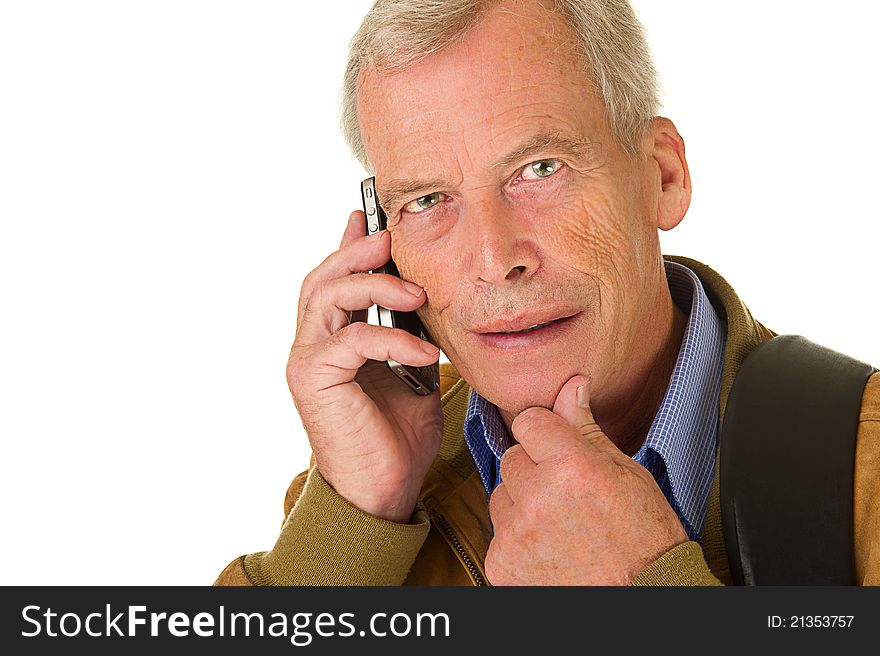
(525, 388)
(524, 371)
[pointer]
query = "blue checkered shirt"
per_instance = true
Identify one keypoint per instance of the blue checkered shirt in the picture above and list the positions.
(679, 449)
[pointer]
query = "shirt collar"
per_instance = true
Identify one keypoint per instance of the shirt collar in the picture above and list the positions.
(684, 432)
(486, 437)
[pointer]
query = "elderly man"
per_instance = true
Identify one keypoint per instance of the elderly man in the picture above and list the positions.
(525, 176)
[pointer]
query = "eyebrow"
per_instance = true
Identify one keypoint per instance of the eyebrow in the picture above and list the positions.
(396, 190)
(550, 143)
(579, 148)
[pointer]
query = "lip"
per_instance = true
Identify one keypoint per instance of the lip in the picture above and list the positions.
(520, 343)
(523, 321)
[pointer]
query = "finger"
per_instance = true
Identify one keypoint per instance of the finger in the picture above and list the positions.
(356, 227)
(516, 466)
(327, 309)
(500, 506)
(361, 254)
(543, 434)
(338, 359)
(573, 405)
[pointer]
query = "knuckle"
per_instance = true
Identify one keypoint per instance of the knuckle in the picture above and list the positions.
(294, 361)
(508, 459)
(310, 300)
(335, 340)
(310, 283)
(296, 366)
(492, 564)
(353, 332)
(496, 569)
(513, 453)
(504, 470)
(349, 337)
(638, 472)
(593, 434)
(528, 419)
(494, 498)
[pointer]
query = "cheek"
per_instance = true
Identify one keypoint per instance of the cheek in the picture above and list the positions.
(418, 261)
(587, 233)
(593, 236)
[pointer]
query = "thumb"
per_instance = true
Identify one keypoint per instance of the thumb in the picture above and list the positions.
(573, 404)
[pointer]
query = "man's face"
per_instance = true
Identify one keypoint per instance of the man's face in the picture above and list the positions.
(509, 201)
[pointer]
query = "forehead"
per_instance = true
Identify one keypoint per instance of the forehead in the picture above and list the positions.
(515, 72)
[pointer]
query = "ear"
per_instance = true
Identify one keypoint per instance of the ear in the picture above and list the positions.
(667, 155)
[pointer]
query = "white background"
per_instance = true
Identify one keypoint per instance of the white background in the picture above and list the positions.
(170, 171)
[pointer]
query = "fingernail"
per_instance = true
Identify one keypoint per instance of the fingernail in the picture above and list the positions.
(428, 348)
(583, 399)
(412, 288)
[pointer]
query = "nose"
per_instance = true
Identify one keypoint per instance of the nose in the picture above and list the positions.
(500, 247)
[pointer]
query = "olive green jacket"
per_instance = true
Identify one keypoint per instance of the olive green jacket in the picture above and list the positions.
(325, 540)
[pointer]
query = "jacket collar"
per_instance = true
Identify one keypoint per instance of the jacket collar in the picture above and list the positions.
(743, 332)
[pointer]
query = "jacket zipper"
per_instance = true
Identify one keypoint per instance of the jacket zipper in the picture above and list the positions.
(456, 543)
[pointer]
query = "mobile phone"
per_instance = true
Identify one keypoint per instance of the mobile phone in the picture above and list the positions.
(421, 380)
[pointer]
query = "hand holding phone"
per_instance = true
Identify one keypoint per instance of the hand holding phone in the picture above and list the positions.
(421, 380)
(373, 441)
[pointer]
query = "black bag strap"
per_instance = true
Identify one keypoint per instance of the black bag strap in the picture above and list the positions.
(787, 452)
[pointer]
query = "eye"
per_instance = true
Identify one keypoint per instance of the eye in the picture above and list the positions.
(423, 203)
(543, 168)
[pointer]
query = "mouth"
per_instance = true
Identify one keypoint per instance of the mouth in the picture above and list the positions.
(525, 322)
(525, 334)
(525, 330)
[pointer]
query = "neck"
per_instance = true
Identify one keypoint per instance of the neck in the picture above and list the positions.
(627, 416)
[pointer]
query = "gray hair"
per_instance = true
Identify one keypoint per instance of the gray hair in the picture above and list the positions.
(609, 39)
